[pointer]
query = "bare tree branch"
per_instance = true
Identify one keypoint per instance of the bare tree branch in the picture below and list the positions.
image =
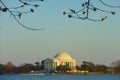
(17, 14)
(88, 7)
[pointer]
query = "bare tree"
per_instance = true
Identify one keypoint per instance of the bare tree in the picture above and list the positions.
(87, 9)
(10, 67)
(16, 11)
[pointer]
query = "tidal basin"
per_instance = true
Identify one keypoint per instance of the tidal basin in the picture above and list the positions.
(60, 77)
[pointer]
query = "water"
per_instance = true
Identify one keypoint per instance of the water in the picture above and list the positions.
(60, 77)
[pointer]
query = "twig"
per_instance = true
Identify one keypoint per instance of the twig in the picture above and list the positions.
(109, 5)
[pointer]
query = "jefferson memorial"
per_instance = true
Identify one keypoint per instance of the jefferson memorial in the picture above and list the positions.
(60, 59)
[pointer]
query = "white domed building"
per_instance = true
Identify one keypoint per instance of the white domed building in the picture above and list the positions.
(61, 59)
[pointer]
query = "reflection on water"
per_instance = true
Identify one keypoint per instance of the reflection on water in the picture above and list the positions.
(60, 77)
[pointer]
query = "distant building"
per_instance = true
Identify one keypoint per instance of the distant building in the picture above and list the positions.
(61, 59)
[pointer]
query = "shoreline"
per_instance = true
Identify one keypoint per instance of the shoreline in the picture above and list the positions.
(91, 73)
(42, 74)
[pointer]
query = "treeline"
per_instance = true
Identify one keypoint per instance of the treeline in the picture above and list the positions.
(10, 68)
(91, 67)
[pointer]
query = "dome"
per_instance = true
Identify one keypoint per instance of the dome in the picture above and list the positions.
(63, 56)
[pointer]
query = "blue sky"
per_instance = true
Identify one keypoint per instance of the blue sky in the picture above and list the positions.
(98, 42)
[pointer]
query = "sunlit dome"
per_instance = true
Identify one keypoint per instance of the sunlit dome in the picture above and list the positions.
(63, 56)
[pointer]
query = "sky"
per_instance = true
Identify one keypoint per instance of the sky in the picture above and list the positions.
(98, 42)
